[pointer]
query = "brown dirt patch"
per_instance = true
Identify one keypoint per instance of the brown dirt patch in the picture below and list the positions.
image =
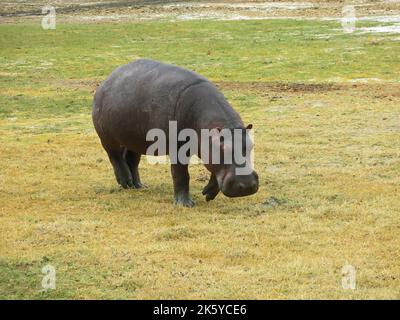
(375, 90)
(277, 86)
(78, 84)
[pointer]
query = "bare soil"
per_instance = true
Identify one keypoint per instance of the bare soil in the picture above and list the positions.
(95, 11)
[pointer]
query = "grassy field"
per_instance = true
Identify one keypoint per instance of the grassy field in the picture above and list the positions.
(326, 111)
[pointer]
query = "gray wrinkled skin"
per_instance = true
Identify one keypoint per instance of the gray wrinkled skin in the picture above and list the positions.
(145, 94)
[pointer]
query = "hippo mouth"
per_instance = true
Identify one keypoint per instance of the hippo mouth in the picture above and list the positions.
(238, 186)
(241, 191)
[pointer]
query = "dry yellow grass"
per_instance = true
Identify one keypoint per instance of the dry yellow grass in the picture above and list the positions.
(327, 155)
(335, 175)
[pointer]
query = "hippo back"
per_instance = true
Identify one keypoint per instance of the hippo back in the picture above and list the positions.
(140, 96)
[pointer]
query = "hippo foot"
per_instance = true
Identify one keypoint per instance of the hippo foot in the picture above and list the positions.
(210, 191)
(139, 185)
(130, 184)
(126, 184)
(184, 201)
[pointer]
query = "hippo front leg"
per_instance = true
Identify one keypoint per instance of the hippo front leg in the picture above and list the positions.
(180, 176)
(211, 189)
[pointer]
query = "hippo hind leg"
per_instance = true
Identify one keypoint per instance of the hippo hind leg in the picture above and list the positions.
(121, 168)
(132, 159)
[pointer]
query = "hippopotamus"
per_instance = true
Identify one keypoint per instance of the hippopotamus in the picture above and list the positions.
(145, 94)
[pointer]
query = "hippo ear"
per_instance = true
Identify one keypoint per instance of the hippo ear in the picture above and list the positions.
(249, 126)
(216, 131)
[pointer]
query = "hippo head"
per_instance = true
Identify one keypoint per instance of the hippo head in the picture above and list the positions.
(233, 169)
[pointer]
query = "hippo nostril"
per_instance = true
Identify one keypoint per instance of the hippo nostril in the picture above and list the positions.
(241, 186)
